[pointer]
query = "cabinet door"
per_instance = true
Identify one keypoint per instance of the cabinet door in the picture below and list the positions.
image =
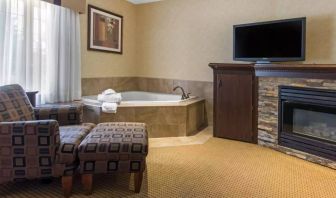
(233, 108)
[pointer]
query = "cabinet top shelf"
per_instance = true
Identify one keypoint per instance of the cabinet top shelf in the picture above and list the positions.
(295, 66)
(317, 71)
(231, 66)
(273, 66)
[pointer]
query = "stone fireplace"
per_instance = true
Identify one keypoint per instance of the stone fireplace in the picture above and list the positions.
(279, 136)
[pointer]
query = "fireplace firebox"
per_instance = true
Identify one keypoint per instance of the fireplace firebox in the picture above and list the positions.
(307, 120)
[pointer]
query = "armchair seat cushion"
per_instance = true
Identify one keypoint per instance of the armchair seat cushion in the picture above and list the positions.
(70, 138)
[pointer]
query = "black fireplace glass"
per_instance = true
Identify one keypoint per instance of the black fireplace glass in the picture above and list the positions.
(315, 121)
(317, 124)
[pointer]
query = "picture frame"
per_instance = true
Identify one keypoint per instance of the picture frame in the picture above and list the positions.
(105, 30)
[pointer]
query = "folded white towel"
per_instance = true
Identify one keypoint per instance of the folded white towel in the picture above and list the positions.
(113, 98)
(108, 92)
(108, 107)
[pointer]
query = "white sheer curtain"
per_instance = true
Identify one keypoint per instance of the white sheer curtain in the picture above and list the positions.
(40, 49)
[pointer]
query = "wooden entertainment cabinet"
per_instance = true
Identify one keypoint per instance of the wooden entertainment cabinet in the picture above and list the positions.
(235, 102)
(236, 94)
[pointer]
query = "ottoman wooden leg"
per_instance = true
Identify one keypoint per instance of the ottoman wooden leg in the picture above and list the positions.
(87, 183)
(67, 185)
(137, 181)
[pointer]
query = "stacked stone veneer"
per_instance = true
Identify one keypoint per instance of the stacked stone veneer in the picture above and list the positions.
(268, 113)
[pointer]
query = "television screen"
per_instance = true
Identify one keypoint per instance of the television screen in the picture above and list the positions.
(282, 40)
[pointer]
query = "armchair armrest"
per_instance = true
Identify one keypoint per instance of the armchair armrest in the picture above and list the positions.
(64, 114)
(28, 149)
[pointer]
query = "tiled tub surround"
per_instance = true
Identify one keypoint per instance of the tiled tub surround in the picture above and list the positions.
(162, 119)
(268, 113)
(93, 86)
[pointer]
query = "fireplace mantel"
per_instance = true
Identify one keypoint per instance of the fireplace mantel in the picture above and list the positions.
(266, 98)
(314, 71)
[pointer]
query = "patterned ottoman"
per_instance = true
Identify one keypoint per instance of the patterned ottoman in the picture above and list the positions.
(116, 147)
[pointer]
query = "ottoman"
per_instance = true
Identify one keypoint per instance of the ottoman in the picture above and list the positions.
(115, 147)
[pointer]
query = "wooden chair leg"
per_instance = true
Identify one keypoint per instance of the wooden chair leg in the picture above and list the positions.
(67, 185)
(87, 183)
(137, 181)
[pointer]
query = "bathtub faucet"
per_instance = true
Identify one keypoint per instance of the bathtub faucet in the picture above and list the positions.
(184, 95)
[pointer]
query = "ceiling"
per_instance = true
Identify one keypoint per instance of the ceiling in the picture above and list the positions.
(142, 1)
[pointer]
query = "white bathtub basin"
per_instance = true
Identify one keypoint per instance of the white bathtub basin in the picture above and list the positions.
(130, 97)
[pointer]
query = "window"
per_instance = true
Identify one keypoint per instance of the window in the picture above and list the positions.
(40, 49)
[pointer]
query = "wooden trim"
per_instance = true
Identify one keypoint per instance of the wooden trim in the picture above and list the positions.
(309, 67)
(315, 71)
(89, 32)
(255, 97)
(231, 66)
(138, 181)
(214, 111)
(87, 183)
(67, 185)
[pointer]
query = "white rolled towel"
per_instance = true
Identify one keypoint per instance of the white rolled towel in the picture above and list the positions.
(108, 92)
(113, 98)
(108, 107)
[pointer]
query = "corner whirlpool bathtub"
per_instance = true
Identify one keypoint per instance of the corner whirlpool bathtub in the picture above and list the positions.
(166, 115)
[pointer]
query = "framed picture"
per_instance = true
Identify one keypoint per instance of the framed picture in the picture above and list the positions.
(105, 30)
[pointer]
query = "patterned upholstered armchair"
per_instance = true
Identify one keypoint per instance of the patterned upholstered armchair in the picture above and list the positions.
(38, 143)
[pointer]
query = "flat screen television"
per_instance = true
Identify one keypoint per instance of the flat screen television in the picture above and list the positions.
(272, 41)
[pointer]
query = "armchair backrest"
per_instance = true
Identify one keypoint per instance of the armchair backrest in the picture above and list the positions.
(14, 104)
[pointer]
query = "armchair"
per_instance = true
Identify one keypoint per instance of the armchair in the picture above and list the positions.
(64, 114)
(41, 142)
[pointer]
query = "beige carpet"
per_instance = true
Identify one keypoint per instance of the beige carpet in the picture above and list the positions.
(218, 168)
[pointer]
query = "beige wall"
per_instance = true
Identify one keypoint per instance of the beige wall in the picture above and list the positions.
(101, 64)
(178, 38)
(77, 5)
